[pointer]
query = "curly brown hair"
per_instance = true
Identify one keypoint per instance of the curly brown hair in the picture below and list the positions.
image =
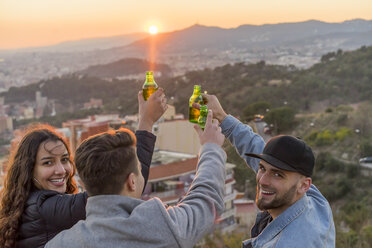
(18, 182)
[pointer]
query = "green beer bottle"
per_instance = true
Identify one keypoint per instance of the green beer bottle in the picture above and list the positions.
(197, 98)
(203, 116)
(150, 86)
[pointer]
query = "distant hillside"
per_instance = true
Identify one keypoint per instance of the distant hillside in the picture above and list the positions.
(193, 48)
(125, 67)
(89, 44)
(341, 77)
(251, 37)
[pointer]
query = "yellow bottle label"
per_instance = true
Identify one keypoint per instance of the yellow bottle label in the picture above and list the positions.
(195, 98)
(194, 115)
(148, 91)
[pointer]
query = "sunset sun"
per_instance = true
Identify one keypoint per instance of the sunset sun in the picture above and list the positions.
(153, 30)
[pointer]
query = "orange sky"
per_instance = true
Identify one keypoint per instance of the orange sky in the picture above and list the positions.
(43, 22)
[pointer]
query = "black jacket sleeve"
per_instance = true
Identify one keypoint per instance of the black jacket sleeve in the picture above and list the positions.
(46, 214)
(62, 211)
(145, 149)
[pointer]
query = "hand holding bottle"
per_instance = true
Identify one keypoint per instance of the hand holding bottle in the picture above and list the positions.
(213, 104)
(212, 131)
(151, 110)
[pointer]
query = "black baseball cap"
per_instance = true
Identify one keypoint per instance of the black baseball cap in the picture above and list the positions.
(288, 153)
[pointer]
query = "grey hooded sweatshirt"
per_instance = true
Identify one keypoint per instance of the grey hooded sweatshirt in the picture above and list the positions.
(120, 221)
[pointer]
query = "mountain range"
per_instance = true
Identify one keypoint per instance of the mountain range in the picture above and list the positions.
(196, 47)
(200, 37)
(88, 44)
(197, 37)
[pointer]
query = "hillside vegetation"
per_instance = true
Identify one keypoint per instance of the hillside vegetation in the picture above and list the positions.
(124, 67)
(341, 78)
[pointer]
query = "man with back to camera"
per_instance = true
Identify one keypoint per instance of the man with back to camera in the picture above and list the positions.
(293, 211)
(117, 217)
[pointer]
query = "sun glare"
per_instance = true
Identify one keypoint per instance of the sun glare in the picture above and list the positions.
(153, 30)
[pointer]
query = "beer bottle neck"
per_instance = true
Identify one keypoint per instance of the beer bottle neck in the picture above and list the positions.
(197, 90)
(149, 78)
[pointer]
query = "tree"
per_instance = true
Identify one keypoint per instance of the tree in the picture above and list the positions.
(282, 118)
(255, 108)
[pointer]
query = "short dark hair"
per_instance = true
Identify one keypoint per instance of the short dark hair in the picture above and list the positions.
(104, 161)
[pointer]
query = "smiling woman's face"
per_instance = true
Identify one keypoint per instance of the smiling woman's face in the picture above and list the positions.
(52, 166)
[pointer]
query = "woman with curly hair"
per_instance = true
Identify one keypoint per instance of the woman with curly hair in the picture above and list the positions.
(38, 200)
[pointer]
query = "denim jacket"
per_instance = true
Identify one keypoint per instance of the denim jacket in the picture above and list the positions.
(307, 223)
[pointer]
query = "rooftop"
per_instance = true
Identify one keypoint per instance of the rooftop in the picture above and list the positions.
(173, 169)
(167, 165)
(161, 157)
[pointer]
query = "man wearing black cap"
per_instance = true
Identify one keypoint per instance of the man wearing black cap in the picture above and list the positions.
(293, 211)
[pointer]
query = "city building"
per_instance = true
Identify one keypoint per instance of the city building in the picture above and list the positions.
(246, 211)
(93, 103)
(6, 123)
(178, 136)
(175, 133)
(41, 103)
(76, 131)
(27, 112)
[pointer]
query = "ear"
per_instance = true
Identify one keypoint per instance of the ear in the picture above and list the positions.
(131, 182)
(305, 183)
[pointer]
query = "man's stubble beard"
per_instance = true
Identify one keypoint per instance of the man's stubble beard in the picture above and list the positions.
(276, 202)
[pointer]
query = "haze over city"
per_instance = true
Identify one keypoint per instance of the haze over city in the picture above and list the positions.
(40, 22)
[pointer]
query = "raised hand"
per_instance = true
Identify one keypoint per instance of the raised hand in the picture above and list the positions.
(214, 105)
(212, 131)
(151, 110)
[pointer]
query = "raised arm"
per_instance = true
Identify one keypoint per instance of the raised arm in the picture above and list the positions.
(243, 139)
(149, 112)
(145, 149)
(195, 214)
(240, 135)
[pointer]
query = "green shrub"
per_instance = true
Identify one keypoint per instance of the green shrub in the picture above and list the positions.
(324, 138)
(344, 108)
(329, 110)
(311, 137)
(367, 235)
(346, 239)
(342, 133)
(356, 215)
(325, 162)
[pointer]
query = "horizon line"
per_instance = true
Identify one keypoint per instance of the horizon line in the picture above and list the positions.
(175, 30)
